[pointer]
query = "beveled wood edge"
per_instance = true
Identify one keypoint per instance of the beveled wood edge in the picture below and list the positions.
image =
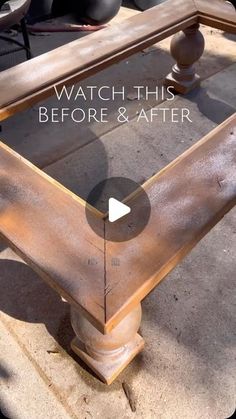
(156, 279)
(182, 156)
(139, 295)
(147, 287)
(153, 281)
(220, 15)
(161, 172)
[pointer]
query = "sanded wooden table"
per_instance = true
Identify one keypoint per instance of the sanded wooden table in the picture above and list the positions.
(46, 224)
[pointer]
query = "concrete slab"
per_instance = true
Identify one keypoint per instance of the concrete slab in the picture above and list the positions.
(25, 391)
(222, 85)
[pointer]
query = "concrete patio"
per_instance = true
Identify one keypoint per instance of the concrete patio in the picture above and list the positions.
(187, 369)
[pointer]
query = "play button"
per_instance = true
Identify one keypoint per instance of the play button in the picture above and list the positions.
(125, 209)
(117, 210)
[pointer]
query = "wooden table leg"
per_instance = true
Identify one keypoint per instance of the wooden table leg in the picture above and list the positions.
(107, 355)
(186, 48)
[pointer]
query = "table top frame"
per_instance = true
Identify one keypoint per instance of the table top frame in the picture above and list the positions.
(99, 292)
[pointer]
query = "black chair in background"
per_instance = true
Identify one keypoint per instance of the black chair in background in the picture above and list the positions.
(13, 12)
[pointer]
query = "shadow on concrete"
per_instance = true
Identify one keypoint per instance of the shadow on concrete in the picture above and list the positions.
(129, 4)
(3, 246)
(230, 36)
(212, 108)
(1, 412)
(6, 376)
(24, 296)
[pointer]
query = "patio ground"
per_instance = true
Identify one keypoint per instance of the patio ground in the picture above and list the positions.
(187, 369)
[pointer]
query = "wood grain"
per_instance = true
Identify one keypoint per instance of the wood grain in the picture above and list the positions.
(46, 225)
(218, 14)
(187, 199)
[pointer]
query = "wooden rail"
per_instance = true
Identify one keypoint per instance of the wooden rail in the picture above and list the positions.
(28, 83)
(188, 198)
(45, 224)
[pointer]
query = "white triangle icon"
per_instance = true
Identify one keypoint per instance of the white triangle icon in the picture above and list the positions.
(117, 210)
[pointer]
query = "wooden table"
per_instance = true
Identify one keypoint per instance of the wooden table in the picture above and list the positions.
(45, 223)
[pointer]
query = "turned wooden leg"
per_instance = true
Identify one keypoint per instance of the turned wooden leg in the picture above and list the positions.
(107, 355)
(186, 48)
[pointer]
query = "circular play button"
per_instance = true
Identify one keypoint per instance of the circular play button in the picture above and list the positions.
(125, 207)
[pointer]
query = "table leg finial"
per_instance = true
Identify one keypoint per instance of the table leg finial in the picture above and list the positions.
(186, 48)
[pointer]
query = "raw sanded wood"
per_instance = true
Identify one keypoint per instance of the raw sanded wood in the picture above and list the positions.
(187, 199)
(217, 13)
(109, 372)
(32, 81)
(46, 225)
(107, 355)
